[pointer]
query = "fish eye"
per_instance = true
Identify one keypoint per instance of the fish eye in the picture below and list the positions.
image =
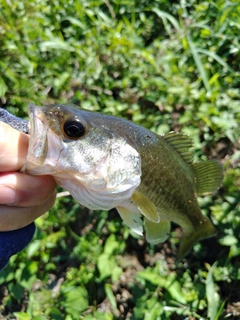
(73, 129)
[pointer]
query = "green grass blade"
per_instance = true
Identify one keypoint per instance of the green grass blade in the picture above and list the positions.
(164, 15)
(110, 295)
(220, 311)
(199, 64)
(212, 296)
(215, 57)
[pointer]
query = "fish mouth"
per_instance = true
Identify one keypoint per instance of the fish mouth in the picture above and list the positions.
(38, 145)
(45, 146)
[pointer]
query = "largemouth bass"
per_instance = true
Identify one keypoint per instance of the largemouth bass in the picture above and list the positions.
(106, 162)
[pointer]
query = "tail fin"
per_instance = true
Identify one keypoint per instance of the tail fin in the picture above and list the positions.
(206, 229)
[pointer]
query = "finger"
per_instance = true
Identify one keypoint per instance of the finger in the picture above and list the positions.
(13, 148)
(19, 189)
(12, 218)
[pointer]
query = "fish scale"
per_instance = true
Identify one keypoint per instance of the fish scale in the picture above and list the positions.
(163, 178)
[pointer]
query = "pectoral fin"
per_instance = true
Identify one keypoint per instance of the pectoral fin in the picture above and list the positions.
(131, 219)
(157, 232)
(145, 206)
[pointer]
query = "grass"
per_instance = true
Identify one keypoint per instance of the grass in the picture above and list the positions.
(167, 66)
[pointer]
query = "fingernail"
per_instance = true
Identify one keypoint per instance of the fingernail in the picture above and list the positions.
(8, 196)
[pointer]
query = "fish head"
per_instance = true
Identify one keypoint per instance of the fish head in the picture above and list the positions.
(92, 161)
(63, 139)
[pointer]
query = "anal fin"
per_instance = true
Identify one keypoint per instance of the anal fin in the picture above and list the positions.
(157, 232)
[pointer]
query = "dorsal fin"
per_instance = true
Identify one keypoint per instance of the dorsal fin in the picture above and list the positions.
(180, 142)
(209, 175)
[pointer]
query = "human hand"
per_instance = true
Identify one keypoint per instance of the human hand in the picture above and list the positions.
(23, 198)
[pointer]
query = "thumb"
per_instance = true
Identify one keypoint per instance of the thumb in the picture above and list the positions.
(13, 148)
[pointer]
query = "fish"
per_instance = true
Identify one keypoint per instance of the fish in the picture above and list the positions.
(107, 162)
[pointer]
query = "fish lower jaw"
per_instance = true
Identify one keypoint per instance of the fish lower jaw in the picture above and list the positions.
(37, 168)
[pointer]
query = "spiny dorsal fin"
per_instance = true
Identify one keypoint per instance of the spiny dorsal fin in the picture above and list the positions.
(209, 176)
(182, 143)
